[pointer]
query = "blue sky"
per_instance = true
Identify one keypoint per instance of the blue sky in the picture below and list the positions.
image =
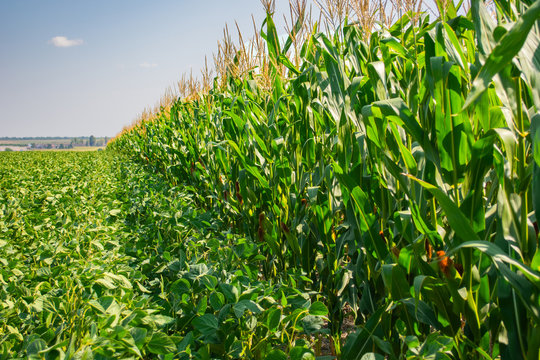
(79, 68)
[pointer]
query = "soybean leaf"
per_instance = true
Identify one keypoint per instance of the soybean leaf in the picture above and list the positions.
(206, 324)
(161, 344)
(276, 355)
(318, 309)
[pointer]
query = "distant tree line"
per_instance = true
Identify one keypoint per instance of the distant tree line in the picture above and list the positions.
(43, 142)
(96, 141)
(90, 141)
(38, 138)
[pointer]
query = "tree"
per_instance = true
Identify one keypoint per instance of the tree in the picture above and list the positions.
(92, 140)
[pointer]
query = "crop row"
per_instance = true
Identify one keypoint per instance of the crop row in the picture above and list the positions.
(398, 173)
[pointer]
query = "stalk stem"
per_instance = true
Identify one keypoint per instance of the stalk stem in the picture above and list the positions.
(522, 151)
(434, 212)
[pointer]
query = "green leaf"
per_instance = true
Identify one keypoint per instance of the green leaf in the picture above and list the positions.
(206, 324)
(406, 155)
(535, 263)
(318, 309)
(422, 312)
(157, 320)
(484, 25)
(36, 346)
(526, 283)
(377, 75)
(395, 281)
(106, 282)
(456, 219)
(499, 258)
(276, 355)
(274, 318)
(272, 41)
(115, 212)
(201, 306)
(285, 61)
(217, 300)
(248, 165)
(365, 219)
(139, 335)
(312, 324)
(243, 305)
(397, 111)
(535, 135)
(301, 353)
(161, 344)
(507, 48)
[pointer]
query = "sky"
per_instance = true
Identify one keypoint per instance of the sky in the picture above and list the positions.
(81, 68)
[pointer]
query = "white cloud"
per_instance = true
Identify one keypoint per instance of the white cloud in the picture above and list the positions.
(148, 65)
(62, 41)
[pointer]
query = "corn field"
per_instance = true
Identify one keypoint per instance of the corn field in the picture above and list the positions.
(386, 168)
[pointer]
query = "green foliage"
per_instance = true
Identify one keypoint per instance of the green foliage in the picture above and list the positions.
(396, 177)
(100, 259)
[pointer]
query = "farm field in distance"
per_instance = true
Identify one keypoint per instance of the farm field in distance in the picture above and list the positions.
(53, 143)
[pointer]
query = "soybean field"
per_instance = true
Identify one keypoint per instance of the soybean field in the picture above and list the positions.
(100, 259)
